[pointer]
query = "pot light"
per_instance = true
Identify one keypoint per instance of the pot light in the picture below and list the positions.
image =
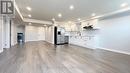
(124, 4)
(69, 21)
(71, 7)
(53, 19)
(28, 8)
(59, 15)
(29, 15)
(30, 23)
(44, 25)
(93, 14)
(79, 19)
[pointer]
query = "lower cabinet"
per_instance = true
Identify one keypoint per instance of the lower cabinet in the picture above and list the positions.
(84, 41)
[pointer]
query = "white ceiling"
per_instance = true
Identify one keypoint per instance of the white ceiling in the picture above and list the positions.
(48, 9)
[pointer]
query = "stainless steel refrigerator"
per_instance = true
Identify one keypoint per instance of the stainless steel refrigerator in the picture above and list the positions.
(59, 36)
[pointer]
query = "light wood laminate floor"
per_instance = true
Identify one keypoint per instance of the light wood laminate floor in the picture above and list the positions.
(42, 57)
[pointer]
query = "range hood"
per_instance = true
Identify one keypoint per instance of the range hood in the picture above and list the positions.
(88, 27)
(91, 27)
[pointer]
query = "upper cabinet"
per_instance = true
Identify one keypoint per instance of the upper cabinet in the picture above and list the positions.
(79, 26)
(70, 27)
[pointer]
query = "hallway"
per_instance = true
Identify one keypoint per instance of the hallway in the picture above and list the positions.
(42, 57)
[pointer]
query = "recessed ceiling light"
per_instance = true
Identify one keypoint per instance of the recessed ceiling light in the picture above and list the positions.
(93, 14)
(79, 19)
(124, 4)
(71, 7)
(69, 21)
(28, 8)
(30, 23)
(29, 15)
(53, 19)
(59, 15)
(45, 25)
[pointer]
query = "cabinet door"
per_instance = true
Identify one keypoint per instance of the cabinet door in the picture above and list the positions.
(93, 42)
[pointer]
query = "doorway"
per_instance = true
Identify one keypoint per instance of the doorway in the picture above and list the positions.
(20, 37)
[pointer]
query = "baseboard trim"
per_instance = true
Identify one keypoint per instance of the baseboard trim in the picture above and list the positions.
(49, 42)
(34, 41)
(117, 51)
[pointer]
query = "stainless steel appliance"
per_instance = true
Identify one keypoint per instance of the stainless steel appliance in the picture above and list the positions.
(59, 36)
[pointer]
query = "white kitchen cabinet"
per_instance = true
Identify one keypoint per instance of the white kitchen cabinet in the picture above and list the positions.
(84, 41)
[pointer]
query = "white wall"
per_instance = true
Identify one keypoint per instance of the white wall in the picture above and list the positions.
(115, 34)
(6, 32)
(1, 30)
(34, 33)
(41, 33)
(49, 34)
(13, 33)
(20, 29)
